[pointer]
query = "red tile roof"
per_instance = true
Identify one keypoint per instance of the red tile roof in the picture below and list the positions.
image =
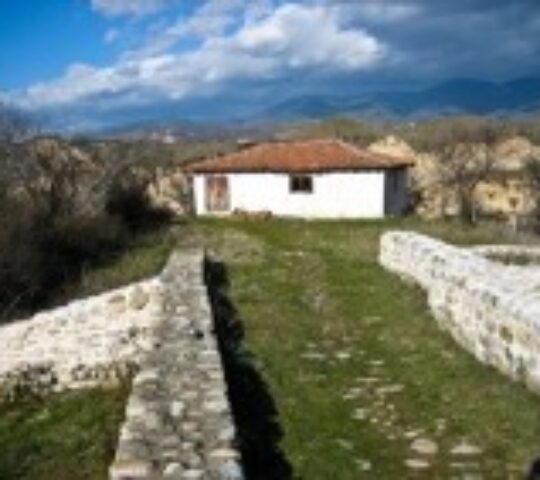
(299, 156)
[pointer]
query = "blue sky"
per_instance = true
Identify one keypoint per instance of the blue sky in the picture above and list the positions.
(116, 55)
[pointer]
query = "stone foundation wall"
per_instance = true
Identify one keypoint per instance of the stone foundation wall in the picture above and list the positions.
(86, 343)
(491, 309)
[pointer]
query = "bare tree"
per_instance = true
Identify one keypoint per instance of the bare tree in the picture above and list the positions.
(533, 176)
(465, 164)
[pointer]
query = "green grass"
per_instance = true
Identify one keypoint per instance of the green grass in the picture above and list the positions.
(70, 436)
(316, 287)
(144, 257)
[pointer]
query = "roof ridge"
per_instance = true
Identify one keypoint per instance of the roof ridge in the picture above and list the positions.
(316, 154)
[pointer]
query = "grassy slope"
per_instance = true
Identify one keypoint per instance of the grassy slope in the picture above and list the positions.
(316, 287)
(70, 436)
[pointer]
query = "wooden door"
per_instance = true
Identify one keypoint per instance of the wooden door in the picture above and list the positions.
(217, 193)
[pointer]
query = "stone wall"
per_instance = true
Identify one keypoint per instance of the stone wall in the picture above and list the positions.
(511, 254)
(491, 309)
(86, 343)
(178, 423)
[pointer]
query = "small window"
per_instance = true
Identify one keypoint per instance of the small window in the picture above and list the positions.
(301, 184)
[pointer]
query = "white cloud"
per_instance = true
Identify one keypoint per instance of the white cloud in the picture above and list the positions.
(111, 36)
(211, 19)
(128, 7)
(293, 38)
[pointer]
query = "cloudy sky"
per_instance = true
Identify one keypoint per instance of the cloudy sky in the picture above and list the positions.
(136, 54)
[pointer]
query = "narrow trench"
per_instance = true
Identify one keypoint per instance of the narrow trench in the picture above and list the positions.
(254, 410)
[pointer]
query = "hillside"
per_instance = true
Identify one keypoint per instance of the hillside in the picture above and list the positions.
(455, 96)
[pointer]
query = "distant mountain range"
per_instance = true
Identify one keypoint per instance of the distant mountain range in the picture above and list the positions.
(466, 96)
(236, 117)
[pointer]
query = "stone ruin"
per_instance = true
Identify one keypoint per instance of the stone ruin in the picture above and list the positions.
(160, 332)
(489, 305)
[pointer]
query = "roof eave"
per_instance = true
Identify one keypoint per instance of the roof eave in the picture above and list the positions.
(222, 171)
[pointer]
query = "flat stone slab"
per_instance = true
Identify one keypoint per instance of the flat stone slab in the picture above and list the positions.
(466, 449)
(424, 446)
(417, 464)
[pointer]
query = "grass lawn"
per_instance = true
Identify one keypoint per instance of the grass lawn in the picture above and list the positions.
(354, 362)
(70, 436)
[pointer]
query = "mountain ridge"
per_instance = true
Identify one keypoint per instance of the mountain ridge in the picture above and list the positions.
(458, 95)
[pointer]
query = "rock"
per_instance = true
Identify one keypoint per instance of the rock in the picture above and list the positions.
(169, 191)
(343, 355)
(227, 434)
(117, 304)
(224, 453)
(216, 406)
(466, 449)
(424, 446)
(390, 389)
(130, 470)
(313, 356)
(412, 433)
(173, 471)
(464, 466)
(177, 409)
(471, 476)
(193, 474)
(345, 444)
(360, 414)
(368, 380)
(138, 298)
(230, 470)
(363, 465)
(417, 464)
(353, 393)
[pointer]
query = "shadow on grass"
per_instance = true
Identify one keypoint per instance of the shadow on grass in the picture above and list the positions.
(254, 410)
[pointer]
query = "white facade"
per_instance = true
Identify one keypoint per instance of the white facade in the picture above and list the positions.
(357, 194)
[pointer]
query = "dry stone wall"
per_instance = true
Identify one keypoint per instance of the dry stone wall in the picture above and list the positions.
(86, 343)
(178, 423)
(491, 309)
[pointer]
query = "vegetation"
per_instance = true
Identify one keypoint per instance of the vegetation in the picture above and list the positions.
(320, 319)
(350, 130)
(533, 175)
(70, 436)
(63, 215)
(431, 135)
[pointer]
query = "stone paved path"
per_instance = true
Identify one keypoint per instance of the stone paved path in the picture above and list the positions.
(178, 418)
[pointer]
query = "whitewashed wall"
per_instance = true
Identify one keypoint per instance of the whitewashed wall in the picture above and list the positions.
(335, 195)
